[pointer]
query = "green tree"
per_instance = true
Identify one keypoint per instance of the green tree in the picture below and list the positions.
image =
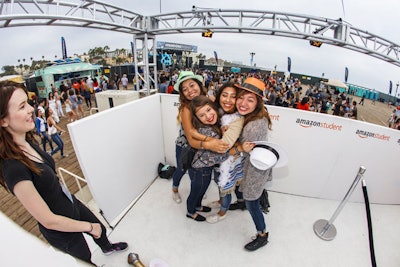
(8, 70)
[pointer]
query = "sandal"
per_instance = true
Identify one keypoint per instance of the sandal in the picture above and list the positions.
(204, 209)
(197, 217)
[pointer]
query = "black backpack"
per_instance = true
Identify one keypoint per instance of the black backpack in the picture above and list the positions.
(264, 201)
(165, 171)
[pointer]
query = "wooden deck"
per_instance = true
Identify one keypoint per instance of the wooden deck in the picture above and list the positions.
(377, 113)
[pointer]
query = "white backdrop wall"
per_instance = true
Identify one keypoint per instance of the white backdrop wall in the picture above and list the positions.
(119, 150)
(325, 153)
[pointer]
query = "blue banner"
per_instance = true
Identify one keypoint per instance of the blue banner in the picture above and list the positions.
(390, 87)
(63, 48)
(216, 57)
(289, 64)
(133, 49)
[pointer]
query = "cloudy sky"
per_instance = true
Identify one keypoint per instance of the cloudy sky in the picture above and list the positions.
(377, 17)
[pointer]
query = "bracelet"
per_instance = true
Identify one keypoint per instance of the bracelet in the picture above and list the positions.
(205, 138)
(201, 144)
(91, 228)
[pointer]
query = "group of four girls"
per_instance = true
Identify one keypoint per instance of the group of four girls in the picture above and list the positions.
(240, 110)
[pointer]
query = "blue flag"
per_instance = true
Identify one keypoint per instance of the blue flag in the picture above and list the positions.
(289, 64)
(390, 87)
(63, 48)
(216, 57)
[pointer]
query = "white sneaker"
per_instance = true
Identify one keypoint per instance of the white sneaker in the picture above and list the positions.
(176, 197)
(215, 218)
(214, 205)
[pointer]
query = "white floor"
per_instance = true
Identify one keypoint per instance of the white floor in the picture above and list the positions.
(156, 227)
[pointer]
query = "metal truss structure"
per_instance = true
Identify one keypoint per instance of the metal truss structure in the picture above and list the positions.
(99, 15)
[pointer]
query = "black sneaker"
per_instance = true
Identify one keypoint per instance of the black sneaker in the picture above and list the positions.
(257, 243)
(239, 205)
(121, 246)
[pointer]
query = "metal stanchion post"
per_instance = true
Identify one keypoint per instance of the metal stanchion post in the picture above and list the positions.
(325, 229)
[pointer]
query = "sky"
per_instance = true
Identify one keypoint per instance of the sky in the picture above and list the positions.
(378, 17)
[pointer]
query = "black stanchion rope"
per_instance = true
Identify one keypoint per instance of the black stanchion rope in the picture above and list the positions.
(371, 237)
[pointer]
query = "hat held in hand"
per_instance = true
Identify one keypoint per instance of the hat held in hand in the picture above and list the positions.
(266, 155)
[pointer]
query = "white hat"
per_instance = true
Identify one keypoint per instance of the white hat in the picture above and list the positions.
(266, 155)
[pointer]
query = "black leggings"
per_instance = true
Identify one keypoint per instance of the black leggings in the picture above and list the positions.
(75, 244)
(88, 102)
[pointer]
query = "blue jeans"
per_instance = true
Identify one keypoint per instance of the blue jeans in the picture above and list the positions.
(226, 202)
(46, 139)
(200, 180)
(178, 173)
(59, 142)
(254, 207)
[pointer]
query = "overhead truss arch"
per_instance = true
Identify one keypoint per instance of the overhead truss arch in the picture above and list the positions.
(99, 15)
(328, 31)
(86, 14)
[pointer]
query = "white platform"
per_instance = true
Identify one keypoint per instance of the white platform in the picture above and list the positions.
(156, 227)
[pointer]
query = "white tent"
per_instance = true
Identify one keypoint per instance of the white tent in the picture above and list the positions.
(337, 83)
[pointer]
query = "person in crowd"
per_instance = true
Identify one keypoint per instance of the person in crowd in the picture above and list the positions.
(171, 87)
(58, 98)
(124, 82)
(96, 86)
(396, 124)
(189, 86)
(163, 82)
(257, 122)
(79, 101)
(55, 132)
(303, 104)
(206, 121)
(74, 102)
(230, 170)
(104, 84)
(353, 110)
(392, 118)
(87, 95)
(68, 109)
(117, 80)
(29, 173)
(53, 106)
(41, 128)
(362, 100)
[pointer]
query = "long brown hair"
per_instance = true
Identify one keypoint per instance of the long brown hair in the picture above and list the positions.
(259, 112)
(8, 148)
(183, 102)
(201, 101)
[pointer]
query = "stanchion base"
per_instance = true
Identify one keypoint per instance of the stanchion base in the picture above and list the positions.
(325, 234)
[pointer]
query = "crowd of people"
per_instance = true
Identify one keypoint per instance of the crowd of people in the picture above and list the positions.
(280, 91)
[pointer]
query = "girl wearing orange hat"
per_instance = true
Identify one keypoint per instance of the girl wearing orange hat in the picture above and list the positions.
(257, 122)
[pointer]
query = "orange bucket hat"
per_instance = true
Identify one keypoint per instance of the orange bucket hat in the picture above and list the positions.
(253, 85)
